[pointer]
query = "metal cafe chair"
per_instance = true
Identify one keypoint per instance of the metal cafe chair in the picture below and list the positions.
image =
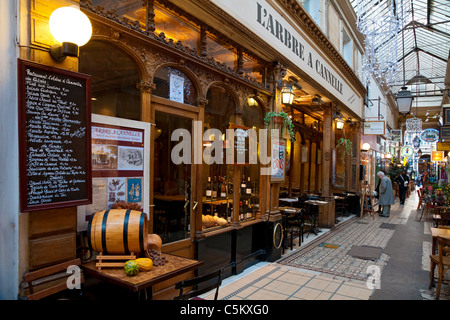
(199, 285)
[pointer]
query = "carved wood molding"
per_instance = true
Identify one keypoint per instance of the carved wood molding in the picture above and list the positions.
(133, 29)
(151, 52)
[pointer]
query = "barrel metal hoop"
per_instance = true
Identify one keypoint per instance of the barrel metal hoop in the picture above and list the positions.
(141, 233)
(125, 231)
(105, 218)
(89, 232)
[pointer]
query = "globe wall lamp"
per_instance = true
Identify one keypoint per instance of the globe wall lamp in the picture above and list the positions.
(365, 147)
(71, 28)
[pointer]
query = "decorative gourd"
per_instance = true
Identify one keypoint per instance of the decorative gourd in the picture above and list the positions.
(145, 264)
(154, 242)
(131, 268)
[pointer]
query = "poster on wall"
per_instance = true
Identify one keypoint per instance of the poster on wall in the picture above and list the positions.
(278, 160)
(176, 88)
(120, 162)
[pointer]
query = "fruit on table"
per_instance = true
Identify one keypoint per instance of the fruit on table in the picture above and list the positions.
(145, 264)
(131, 268)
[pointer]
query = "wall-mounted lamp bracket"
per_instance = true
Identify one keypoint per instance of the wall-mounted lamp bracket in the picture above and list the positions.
(59, 52)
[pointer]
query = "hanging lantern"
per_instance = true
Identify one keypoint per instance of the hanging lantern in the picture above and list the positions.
(287, 95)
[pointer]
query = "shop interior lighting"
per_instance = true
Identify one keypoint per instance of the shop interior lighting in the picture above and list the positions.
(72, 29)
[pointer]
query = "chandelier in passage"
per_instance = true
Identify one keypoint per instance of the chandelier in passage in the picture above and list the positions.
(380, 24)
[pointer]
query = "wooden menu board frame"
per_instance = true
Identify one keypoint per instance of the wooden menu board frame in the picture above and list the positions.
(55, 133)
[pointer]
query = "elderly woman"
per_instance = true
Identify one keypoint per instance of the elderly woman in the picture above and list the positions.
(386, 197)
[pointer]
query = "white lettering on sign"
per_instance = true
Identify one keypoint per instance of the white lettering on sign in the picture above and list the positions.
(116, 134)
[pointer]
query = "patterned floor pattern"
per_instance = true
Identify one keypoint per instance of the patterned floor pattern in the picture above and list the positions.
(335, 260)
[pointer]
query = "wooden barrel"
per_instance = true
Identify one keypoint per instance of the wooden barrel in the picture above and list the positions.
(118, 231)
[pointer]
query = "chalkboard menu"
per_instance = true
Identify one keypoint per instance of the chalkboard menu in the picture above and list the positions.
(54, 137)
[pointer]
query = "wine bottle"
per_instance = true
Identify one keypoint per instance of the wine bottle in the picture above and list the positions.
(209, 188)
(214, 190)
(243, 185)
(241, 211)
(223, 188)
(248, 189)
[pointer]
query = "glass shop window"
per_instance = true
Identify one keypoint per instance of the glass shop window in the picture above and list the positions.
(218, 178)
(253, 69)
(172, 182)
(134, 10)
(177, 28)
(253, 118)
(114, 78)
(174, 85)
(221, 51)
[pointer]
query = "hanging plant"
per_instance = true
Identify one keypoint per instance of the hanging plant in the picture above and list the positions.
(346, 145)
(283, 119)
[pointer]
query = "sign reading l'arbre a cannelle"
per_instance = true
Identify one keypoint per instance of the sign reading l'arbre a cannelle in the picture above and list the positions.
(269, 25)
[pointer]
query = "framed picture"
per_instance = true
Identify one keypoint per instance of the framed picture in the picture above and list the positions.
(444, 133)
(446, 117)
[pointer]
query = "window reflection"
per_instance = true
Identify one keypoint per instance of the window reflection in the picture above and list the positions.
(221, 51)
(172, 183)
(218, 188)
(135, 10)
(177, 29)
(114, 78)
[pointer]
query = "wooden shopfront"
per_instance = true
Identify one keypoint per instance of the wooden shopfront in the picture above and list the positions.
(173, 74)
(188, 81)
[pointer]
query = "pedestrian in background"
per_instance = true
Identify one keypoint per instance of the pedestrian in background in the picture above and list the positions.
(386, 198)
(403, 185)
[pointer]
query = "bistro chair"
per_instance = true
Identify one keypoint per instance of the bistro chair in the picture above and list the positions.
(421, 198)
(199, 285)
(296, 225)
(441, 216)
(49, 281)
(442, 262)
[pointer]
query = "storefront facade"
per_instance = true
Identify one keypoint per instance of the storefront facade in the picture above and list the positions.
(161, 66)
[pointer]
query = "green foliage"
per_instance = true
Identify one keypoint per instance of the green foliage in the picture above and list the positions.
(346, 145)
(287, 122)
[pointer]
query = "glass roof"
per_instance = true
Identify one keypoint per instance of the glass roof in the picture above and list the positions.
(425, 34)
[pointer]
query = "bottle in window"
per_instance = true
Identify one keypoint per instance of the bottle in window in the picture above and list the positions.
(248, 189)
(243, 185)
(230, 212)
(214, 190)
(209, 188)
(223, 188)
(241, 211)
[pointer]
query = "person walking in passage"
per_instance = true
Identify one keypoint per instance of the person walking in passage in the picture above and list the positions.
(403, 185)
(386, 198)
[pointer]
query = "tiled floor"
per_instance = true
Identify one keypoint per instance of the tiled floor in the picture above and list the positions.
(276, 281)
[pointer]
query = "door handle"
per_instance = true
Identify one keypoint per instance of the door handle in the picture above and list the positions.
(195, 205)
(186, 204)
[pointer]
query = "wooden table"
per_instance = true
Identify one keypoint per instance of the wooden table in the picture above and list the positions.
(436, 232)
(173, 267)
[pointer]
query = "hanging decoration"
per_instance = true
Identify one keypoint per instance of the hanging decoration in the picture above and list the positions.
(414, 125)
(379, 22)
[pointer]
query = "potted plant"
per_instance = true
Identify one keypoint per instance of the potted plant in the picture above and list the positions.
(346, 145)
(280, 118)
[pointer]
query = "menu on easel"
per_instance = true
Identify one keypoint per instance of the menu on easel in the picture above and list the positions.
(54, 137)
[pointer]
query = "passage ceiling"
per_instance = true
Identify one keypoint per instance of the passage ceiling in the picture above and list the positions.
(425, 53)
